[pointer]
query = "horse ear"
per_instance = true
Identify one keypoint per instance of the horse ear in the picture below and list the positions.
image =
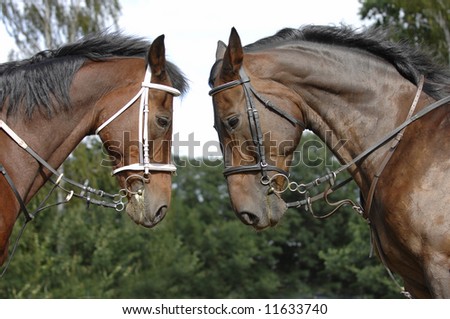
(157, 56)
(221, 48)
(233, 57)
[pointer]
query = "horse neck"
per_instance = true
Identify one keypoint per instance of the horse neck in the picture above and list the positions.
(349, 99)
(52, 139)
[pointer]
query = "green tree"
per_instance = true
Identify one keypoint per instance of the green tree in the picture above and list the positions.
(426, 22)
(236, 261)
(43, 24)
(200, 250)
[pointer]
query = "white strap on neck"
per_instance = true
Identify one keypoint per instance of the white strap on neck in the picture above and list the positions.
(13, 135)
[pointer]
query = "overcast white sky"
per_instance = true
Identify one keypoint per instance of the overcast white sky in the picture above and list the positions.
(192, 29)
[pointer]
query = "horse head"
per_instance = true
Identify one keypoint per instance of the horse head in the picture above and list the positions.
(116, 86)
(138, 139)
(259, 124)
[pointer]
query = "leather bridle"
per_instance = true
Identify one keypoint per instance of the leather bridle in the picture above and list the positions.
(144, 156)
(394, 135)
(330, 177)
(110, 200)
(261, 164)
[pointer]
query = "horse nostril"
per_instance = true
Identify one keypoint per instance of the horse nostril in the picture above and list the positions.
(160, 214)
(249, 218)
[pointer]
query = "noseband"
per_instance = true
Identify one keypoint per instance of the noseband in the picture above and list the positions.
(144, 155)
(255, 128)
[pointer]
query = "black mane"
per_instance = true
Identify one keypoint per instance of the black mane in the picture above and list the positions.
(43, 80)
(410, 62)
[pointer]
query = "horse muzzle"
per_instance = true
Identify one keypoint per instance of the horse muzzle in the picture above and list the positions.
(146, 211)
(148, 198)
(255, 203)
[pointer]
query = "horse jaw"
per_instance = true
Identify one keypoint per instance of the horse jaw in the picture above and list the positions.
(146, 211)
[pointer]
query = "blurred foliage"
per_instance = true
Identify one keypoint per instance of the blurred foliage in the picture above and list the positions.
(201, 250)
(424, 22)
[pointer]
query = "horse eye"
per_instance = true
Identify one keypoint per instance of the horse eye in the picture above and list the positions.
(163, 121)
(233, 122)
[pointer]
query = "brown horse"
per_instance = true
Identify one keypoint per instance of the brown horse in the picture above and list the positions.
(118, 86)
(358, 88)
